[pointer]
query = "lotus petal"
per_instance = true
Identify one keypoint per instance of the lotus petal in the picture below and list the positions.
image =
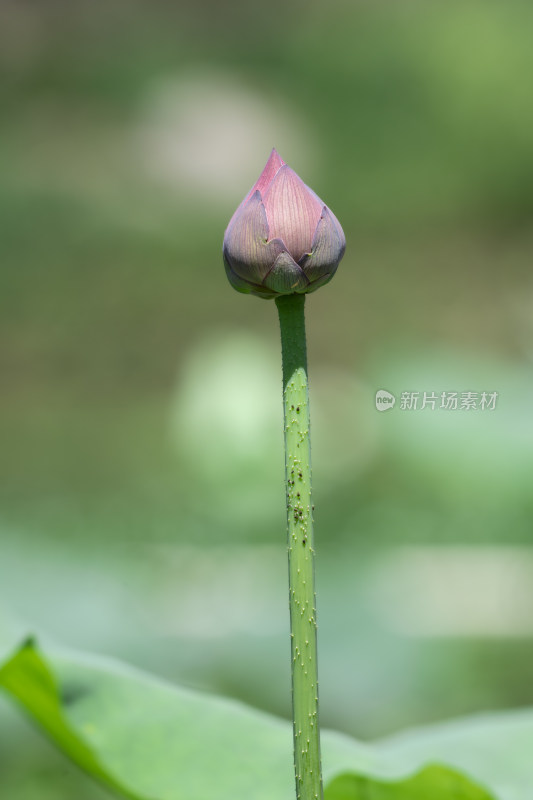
(327, 249)
(286, 277)
(246, 248)
(292, 211)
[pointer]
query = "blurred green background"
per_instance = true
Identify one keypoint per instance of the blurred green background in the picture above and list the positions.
(141, 509)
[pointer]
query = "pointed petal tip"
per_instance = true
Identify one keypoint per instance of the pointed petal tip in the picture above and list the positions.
(274, 162)
(271, 168)
(275, 155)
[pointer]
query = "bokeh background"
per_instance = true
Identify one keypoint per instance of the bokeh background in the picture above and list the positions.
(141, 460)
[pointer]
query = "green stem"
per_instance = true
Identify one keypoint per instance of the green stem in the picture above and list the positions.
(300, 545)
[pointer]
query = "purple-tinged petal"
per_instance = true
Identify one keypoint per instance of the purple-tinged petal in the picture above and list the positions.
(320, 282)
(327, 249)
(246, 248)
(263, 292)
(292, 210)
(245, 287)
(238, 283)
(339, 229)
(286, 277)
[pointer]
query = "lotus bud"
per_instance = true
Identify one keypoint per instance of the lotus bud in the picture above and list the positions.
(282, 239)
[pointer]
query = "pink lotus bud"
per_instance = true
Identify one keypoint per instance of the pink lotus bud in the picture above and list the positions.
(282, 239)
